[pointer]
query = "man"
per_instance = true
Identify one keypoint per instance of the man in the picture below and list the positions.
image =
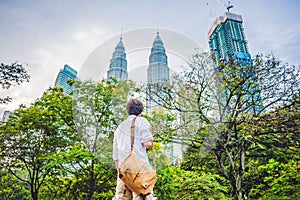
(122, 141)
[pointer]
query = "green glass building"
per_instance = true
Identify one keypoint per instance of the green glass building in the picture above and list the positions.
(63, 76)
(227, 42)
(227, 39)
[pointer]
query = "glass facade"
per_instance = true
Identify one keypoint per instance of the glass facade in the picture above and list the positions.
(118, 63)
(227, 39)
(158, 70)
(63, 76)
(6, 115)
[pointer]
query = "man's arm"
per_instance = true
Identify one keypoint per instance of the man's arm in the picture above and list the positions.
(117, 164)
(148, 143)
(115, 150)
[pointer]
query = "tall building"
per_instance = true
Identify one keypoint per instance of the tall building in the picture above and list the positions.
(6, 115)
(158, 71)
(227, 42)
(118, 63)
(227, 39)
(63, 76)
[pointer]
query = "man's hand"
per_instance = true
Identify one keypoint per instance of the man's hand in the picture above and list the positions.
(148, 144)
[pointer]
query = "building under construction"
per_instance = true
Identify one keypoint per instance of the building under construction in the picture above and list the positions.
(227, 39)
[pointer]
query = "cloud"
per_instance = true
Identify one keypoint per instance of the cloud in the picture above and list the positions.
(48, 34)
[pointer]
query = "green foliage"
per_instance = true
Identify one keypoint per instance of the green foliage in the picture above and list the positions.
(97, 110)
(12, 188)
(162, 128)
(277, 133)
(175, 183)
(279, 181)
(86, 168)
(205, 186)
(60, 148)
(276, 136)
(10, 75)
(31, 135)
(78, 185)
(80, 175)
(244, 111)
(194, 161)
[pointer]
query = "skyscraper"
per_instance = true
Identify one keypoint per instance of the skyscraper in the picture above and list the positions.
(63, 76)
(6, 115)
(227, 39)
(118, 63)
(227, 42)
(158, 70)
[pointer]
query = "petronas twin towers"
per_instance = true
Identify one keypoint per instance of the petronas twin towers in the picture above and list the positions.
(118, 63)
(158, 70)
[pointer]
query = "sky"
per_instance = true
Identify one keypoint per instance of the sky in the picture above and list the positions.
(47, 34)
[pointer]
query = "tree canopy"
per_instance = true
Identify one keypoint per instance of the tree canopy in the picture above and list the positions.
(10, 75)
(239, 126)
(229, 109)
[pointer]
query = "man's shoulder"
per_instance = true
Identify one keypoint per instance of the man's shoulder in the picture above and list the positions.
(126, 122)
(142, 119)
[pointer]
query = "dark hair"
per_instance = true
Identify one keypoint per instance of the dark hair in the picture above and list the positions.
(134, 107)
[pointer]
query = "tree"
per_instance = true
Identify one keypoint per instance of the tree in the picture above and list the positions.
(221, 103)
(32, 135)
(275, 180)
(97, 110)
(12, 188)
(76, 174)
(71, 139)
(12, 74)
(272, 172)
(175, 183)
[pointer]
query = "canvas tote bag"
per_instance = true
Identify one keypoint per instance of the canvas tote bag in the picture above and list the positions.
(135, 173)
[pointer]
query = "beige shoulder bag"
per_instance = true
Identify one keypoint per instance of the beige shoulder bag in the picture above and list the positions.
(135, 173)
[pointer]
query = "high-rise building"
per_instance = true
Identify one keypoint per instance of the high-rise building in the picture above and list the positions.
(227, 39)
(118, 63)
(6, 115)
(158, 74)
(227, 42)
(63, 76)
(158, 71)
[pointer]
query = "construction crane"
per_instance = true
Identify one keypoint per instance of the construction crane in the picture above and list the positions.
(228, 6)
(210, 12)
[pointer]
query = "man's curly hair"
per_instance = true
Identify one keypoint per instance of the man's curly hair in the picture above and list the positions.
(134, 107)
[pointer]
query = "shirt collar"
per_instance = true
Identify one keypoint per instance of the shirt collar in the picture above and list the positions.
(132, 116)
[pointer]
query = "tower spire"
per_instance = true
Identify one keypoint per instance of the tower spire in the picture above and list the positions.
(121, 35)
(157, 32)
(118, 62)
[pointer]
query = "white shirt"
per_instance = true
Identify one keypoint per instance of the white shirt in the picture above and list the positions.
(122, 139)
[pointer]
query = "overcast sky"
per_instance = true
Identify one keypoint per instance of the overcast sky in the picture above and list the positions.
(47, 34)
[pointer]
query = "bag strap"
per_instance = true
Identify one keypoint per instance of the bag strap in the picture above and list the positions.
(154, 160)
(132, 133)
(132, 142)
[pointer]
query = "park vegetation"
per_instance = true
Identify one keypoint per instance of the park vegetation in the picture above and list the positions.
(238, 126)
